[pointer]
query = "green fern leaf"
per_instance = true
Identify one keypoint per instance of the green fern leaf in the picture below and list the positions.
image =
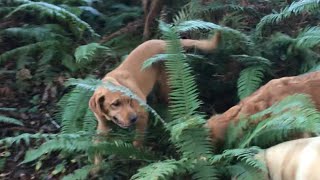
(159, 170)
(76, 25)
(24, 50)
(68, 143)
(196, 25)
(249, 81)
(88, 52)
(122, 149)
(73, 111)
(9, 120)
(79, 174)
(252, 60)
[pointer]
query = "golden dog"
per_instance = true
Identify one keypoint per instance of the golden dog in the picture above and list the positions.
(123, 110)
(297, 159)
(267, 95)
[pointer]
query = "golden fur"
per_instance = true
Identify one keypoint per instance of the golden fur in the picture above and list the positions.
(297, 159)
(123, 110)
(267, 95)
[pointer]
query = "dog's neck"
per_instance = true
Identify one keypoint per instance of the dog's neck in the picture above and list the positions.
(111, 79)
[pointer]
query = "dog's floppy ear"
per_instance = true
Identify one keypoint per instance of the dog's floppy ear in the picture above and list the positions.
(96, 104)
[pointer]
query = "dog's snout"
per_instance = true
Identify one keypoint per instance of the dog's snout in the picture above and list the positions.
(133, 118)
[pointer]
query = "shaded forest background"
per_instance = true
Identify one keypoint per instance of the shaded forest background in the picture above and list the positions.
(53, 52)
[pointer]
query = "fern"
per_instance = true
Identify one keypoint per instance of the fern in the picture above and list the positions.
(65, 143)
(291, 116)
(240, 163)
(308, 38)
(76, 25)
(89, 52)
(122, 149)
(296, 8)
(9, 120)
(27, 49)
(243, 171)
(73, 111)
(250, 80)
(196, 25)
(26, 138)
(79, 174)
(38, 33)
(184, 104)
(252, 60)
(160, 170)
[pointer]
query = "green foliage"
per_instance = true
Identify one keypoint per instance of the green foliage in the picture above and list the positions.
(71, 143)
(79, 174)
(77, 26)
(250, 80)
(292, 116)
(294, 9)
(89, 52)
(160, 170)
(9, 120)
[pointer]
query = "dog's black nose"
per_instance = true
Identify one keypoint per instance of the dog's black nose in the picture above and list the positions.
(133, 118)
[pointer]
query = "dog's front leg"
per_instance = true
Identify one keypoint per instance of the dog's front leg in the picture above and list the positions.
(102, 129)
(141, 126)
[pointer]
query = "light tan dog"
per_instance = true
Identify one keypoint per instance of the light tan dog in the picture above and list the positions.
(122, 109)
(266, 96)
(293, 160)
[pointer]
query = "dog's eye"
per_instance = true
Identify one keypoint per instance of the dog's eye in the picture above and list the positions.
(116, 104)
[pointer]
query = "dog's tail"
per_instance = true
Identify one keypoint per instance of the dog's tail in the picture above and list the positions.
(204, 45)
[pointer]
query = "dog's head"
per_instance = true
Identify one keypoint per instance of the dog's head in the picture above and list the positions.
(114, 106)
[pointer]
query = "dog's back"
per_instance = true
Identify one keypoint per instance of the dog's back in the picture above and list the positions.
(293, 160)
(274, 91)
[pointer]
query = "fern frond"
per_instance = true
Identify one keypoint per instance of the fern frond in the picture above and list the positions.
(88, 52)
(187, 131)
(154, 59)
(183, 89)
(160, 170)
(283, 126)
(69, 143)
(252, 60)
(76, 25)
(196, 25)
(24, 50)
(89, 84)
(39, 33)
(296, 8)
(250, 80)
(26, 138)
(183, 14)
(73, 111)
(89, 122)
(308, 38)
(244, 171)
(7, 109)
(79, 174)
(9, 120)
(122, 149)
(293, 115)
(216, 6)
